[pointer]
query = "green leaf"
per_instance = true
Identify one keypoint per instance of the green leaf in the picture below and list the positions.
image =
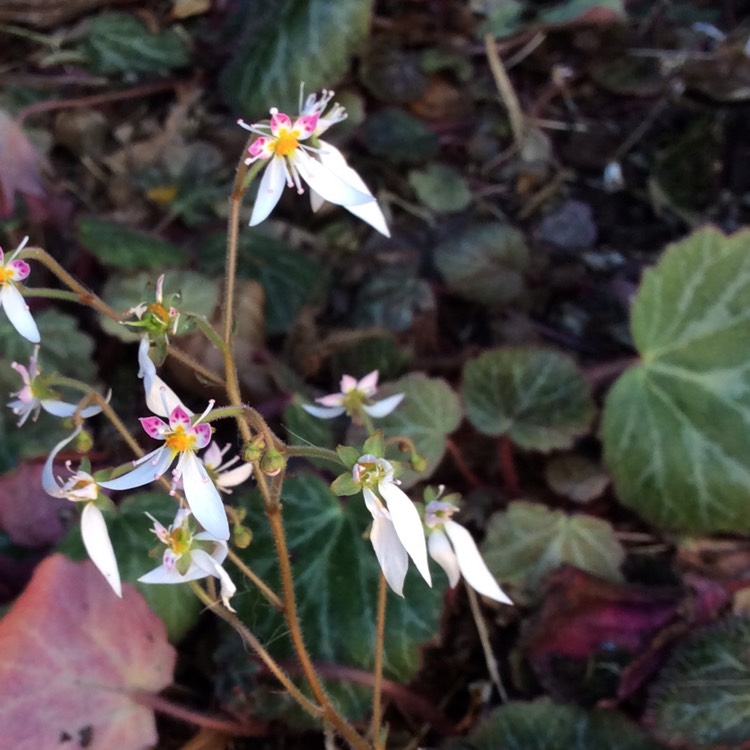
(576, 477)
(398, 137)
(348, 455)
(543, 725)
(289, 278)
(392, 298)
(441, 188)
(198, 295)
(528, 540)
(336, 577)
(429, 412)
(485, 263)
(291, 41)
(573, 10)
(675, 426)
(121, 43)
(702, 695)
(344, 486)
(133, 540)
(119, 246)
(537, 397)
(503, 18)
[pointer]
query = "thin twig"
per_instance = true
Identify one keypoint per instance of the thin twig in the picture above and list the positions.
(484, 638)
(506, 91)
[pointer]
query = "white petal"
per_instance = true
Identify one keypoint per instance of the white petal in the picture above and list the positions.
(369, 383)
(385, 407)
(316, 201)
(408, 525)
(162, 575)
(233, 477)
(373, 504)
(18, 313)
(391, 554)
(327, 183)
(442, 553)
(63, 409)
(324, 412)
(473, 568)
(202, 496)
(99, 547)
(269, 191)
(213, 455)
(49, 483)
(370, 212)
(160, 398)
(149, 468)
(207, 563)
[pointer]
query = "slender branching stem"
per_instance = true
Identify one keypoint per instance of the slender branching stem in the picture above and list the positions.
(378, 668)
(312, 451)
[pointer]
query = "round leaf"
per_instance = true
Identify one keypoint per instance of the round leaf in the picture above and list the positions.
(702, 696)
(536, 397)
(529, 539)
(485, 263)
(429, 413)
(398, 137)
(576, 477)
(440, 188)
(675, 427)
(336, 576)
(291, 41)
(542, 725)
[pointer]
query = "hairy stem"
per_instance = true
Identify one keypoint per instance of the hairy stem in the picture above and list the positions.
(378, 669)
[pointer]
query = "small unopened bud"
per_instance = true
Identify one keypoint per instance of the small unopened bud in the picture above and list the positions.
(272, 462)
(418, 463)
(83, 442)
(253, 451)
(242, 536)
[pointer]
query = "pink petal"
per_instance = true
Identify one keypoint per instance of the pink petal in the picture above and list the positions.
(179, 417)
(306, 125)
(260, 148)
(154, 427)
(280, 121)
(348, 384)
(21, 268)
(369, 383)
(203, 433)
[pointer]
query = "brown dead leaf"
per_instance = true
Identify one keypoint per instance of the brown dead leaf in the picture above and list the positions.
(20, 165)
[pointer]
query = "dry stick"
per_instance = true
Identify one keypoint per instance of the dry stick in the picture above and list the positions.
(257, 646)
(484, 638)
(506, 91)
(378, 670)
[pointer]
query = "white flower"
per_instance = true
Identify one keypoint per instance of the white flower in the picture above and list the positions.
(355, 395)
(454, 549)
(190, 556)
(35, 395)
(155, 317)
(181, 440)
(12, 272)
(320, 165)
(160, 398)
(397, 531)
(223, 476)
(81, 487)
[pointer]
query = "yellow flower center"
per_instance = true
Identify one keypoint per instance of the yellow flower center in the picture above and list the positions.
(159, 311)
(6, 275)
(179, 440)
(286, 143)
(179, 541)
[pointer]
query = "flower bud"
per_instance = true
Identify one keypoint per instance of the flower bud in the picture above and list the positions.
(83, 442)
(272, 462)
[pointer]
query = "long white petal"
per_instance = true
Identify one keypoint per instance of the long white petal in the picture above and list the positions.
(473, 568)
(324, 412)
(49, 483)
(269, 191)
(207, 563)
(160, 398)
(385, 407)
(327, 183)
(233, 477)
(316, 201)
(370, 212)
(203, 497)
(442, 553)
(99, 547)
(149, 468)
(391, 554)
(63, 409)
(162, 575)
(18, 313)
(408, 526)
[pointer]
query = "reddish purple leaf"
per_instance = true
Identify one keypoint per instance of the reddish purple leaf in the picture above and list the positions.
(73, 660)
(20, 165)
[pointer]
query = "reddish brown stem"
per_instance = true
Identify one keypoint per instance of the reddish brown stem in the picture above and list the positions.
(249, 728)
(508, 466)
(461, 464)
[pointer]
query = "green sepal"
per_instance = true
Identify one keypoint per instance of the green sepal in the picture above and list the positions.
(348, 455)
(105, 503)
(344, 484)
(85, 465)
(375, 445)
(183, 564)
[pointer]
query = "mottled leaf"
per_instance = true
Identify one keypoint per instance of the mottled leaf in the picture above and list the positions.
(73, 658)
(441, 188)
(536, 397)
(675, 426)
(485, 263)
(576, 477)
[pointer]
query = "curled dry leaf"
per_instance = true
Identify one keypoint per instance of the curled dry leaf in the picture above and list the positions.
(74, 659)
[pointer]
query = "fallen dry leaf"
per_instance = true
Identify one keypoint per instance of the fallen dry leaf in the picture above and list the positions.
(20, 165)
(73, 659)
